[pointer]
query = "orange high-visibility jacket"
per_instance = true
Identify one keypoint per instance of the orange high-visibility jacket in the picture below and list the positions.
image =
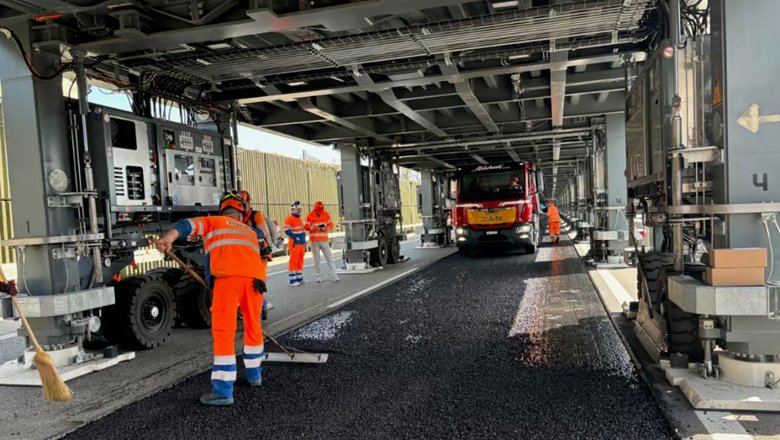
(295, 226)
(552, 214)
(313, 220)
(231, 247)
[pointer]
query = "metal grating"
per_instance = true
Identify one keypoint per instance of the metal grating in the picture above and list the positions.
(564, 21)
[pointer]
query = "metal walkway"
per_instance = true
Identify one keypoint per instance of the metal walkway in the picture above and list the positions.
(483, 347)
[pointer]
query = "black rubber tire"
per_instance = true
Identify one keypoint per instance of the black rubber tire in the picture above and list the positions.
(394, 252)
(379, 254)
(143, 314)
(652, 263)
(464, 250)
(193, 301)
(682, 327)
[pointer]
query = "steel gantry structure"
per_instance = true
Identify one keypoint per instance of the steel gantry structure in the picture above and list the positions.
(434, 84)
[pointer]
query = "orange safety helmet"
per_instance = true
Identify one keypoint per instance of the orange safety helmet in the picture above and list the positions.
(234, 201)
(319, 207)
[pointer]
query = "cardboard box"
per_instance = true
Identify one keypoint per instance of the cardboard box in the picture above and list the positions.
(737, 257)
(735, 276)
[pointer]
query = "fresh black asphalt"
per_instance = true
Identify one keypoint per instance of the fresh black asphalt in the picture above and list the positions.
(489, 346)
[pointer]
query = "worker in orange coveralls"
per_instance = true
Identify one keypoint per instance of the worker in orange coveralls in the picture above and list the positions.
(318, 223)
(293, 228)
(237, 273)
(553, 221)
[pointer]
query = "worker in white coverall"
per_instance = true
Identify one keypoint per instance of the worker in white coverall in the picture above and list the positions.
(318, 223)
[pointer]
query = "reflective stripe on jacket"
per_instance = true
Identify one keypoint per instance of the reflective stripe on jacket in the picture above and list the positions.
(294, 226)
(231, 247)
(313, 220)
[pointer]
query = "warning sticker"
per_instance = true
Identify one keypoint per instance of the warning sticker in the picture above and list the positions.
(717, 96)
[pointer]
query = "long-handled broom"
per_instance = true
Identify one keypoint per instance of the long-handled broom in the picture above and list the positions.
(289, 355)
(54, 388)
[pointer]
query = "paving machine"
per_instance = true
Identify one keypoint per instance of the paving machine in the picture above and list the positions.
(89, 184)
(370, 207)
(433, 202)
(699, 169)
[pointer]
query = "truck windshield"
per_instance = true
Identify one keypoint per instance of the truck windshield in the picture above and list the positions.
(502, 185)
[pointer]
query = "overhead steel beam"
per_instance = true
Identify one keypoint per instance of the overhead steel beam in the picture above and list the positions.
(441, 162)
(512, 153)
(257, 21)
(558, 86)
(467, 95)
(433, 79)
(479, 158)
(389, 97)
(309, 106)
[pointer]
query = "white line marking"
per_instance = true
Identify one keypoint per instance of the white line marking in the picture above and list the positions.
(615, 288)
(372, 288)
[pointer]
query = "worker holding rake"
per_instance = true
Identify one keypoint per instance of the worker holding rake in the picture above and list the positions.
(236, 272)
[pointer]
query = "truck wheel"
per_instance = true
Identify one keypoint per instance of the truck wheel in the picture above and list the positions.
(143, 314)
(652, 263)
(193, 301)
(464, 250)
(379, 255)
(394, 252)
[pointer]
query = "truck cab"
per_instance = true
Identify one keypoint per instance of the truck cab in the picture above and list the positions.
(497, 204)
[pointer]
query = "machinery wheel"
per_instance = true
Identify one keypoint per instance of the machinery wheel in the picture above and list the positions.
(379, 255)
(683, 327)
(193, 302)
(653, 262)
(394, 252)
(143, 314)
(465, 251)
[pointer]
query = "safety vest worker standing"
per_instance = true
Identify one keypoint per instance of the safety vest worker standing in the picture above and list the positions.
(318, 223)
(237, 273)
(293, 228)
(553, 221)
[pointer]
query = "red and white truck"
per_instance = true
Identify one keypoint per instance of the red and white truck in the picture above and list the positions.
(497, 204)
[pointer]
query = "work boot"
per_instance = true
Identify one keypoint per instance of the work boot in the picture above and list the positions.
(212, 399)
(255, 382)
(319, 277)
(335, 277)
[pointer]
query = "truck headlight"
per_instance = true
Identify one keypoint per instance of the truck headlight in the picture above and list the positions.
(522, 229)
(461, 231)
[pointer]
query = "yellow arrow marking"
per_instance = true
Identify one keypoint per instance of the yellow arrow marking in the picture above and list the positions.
(752, 119)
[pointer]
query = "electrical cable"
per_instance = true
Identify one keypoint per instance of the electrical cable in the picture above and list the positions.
(28, 61)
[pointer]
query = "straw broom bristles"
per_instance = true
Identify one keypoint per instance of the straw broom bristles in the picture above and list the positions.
(54, 388)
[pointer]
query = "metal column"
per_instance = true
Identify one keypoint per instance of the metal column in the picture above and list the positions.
(42, 169)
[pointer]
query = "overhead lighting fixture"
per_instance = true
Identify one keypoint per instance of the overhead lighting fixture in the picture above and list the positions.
(219, 46)
(336, 78)
(204, 62)
(297, 83)
(506, 4)
(519, 56)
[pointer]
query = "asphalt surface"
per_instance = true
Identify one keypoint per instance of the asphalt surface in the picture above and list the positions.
(483, 347)
(186, 353)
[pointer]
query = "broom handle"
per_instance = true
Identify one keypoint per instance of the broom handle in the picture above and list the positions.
(21, 315)
(186, 267)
